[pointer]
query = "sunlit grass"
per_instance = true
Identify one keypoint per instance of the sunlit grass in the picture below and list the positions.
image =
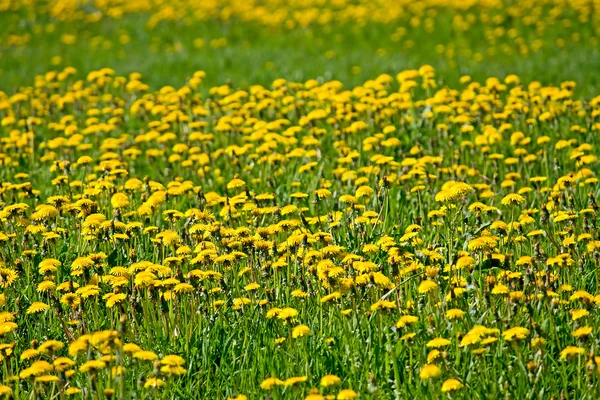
(292, 211)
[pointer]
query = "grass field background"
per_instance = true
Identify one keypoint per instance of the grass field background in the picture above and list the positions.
(305, 199)
(247, 50)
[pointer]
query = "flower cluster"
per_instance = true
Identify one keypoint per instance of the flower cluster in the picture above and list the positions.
(302, 240)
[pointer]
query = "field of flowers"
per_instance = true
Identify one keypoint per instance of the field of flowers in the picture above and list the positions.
(307, 199)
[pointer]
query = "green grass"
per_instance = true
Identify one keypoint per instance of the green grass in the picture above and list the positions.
(505, 260)
(254, 54)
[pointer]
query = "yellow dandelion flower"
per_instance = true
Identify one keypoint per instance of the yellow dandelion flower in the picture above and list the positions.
(270, 383)
(154, 383)
(145, 355)
(92, 366)
(512, 199)
(330, 380)
(455, 313)
(580, 313)
(571, 351)
(451, 385)
(37, 307)
(300, 331)
(582, 332)
(347, 394)
(330, 297)
(383, 305)
(438, 342)
(5, 391)
(429, 371)
(120, 201)
(295, 380)
(406, 320)
(426, 286)
(516, 333)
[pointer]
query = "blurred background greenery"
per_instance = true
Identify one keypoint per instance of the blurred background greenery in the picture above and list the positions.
(256, 42)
